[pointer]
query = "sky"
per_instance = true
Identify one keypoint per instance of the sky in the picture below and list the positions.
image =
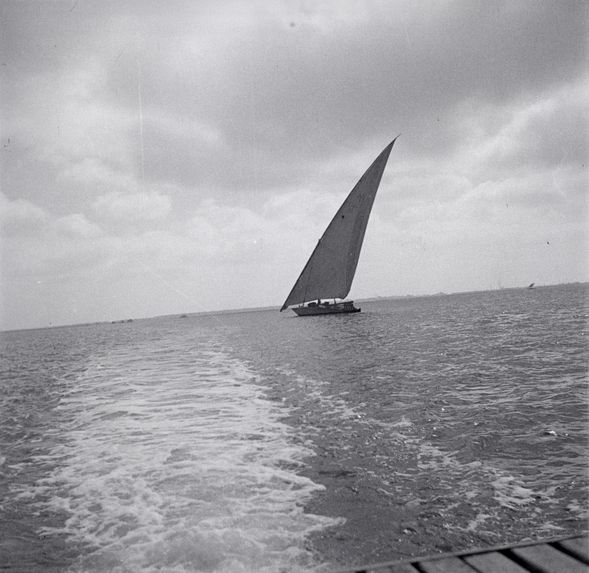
(185, 156)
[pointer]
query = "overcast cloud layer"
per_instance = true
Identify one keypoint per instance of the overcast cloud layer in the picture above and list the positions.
(183, 156)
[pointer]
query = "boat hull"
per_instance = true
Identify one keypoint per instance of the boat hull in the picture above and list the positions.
(338, 308)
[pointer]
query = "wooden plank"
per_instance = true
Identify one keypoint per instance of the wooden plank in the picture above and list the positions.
(463, 552)
(446, 565)
(394, 568)
(506, 557)
(547, 559)
(494, 562)
(402, 568)
(579, 547)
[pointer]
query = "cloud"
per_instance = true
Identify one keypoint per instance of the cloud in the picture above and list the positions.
(93, 175)
(20, 217)
(36, 242)
(247, 101)
(240, 235)
(77, 226)
(540, 131)
(201, 148)
(131, 207)
(289, 82)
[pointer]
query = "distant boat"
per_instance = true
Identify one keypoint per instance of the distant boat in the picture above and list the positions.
(531, 285)
(330, 270)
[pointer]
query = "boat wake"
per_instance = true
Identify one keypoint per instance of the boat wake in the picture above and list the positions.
(174, 460)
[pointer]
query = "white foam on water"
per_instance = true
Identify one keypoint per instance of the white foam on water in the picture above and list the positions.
(478, 522)
(487, 489)
(175, 461)
(576, 507)
(510, 492)
(332, 406)
(549, 528)
(404, 422)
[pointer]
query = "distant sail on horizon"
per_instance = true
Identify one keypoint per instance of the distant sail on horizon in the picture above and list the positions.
(330, 270)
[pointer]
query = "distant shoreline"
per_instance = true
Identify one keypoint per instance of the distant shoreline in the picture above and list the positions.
(277, 307)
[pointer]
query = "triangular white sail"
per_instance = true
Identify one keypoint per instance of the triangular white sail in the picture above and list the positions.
(330, 269)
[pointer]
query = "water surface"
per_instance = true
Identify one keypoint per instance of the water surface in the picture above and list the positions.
(261, 441)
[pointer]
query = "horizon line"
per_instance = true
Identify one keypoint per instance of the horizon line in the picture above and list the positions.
(238, 310)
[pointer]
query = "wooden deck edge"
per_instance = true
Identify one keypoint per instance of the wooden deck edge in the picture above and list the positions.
(461, 553)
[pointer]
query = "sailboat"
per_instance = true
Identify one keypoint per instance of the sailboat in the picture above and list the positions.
(330, 270)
